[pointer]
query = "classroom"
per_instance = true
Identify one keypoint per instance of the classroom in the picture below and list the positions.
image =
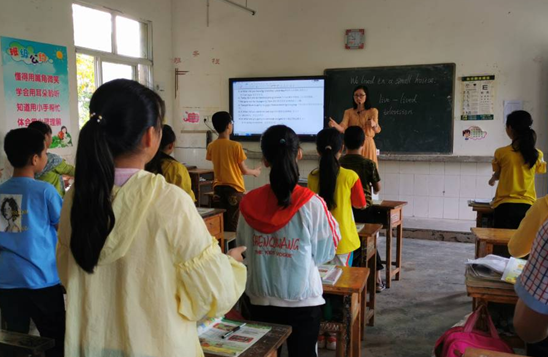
(446, 80)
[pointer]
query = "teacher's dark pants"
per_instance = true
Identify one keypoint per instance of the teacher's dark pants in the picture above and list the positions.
(304, 321)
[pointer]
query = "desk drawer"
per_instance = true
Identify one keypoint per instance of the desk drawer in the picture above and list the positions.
(395, 216)
(214, 225)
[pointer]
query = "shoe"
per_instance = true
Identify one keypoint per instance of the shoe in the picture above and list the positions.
(321, 341)
(331, 342)
(381, 287)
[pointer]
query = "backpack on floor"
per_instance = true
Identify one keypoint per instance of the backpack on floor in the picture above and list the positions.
(456, 340)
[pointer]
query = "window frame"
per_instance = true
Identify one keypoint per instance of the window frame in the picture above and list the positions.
(113, 57)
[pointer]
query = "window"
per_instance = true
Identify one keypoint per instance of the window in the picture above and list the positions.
(108, 46)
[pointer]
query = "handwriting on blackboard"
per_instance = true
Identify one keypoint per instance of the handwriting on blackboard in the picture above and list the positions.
(409, 79)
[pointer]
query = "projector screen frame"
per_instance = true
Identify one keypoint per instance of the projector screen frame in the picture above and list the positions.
(257, 137)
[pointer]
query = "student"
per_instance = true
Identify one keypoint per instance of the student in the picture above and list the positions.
(29, 283)
(291, 232)
(366, 169)
(228, 159)
(522, 240)
(515, 166)
(56, 166)
(531, 314)
(136, 258)
(341, 189)
(173, 171)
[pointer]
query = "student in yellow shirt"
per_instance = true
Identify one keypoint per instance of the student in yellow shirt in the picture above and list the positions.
(515, 167)
(228, 159)
(138, 263)
(56, 166)
(341, 190)
(164, 164)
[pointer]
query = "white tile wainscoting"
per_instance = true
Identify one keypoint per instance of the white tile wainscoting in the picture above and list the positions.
(439, 189)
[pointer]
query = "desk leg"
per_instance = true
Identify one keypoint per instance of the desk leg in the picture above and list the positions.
(355, 335)
(222, 238)
(388, 265)
(344, 348)
(399, 249)
(372, 291)
(479, 219)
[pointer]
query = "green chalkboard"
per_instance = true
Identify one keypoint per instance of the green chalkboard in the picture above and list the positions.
(415, 104)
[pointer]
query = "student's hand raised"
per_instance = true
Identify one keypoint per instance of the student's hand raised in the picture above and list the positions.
(236, 253)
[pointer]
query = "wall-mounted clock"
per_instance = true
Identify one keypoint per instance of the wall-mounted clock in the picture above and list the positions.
(354, 39)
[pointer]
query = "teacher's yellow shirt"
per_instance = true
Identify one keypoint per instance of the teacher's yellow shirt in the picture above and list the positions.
(159, 272)
(517, 180)
(350, 241)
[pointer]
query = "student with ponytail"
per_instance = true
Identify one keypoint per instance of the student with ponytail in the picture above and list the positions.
(340, 188)
(164, 164)
(290, 232)
(515, 167)
(137, 261)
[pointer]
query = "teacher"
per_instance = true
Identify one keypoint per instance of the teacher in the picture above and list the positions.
(364, 116)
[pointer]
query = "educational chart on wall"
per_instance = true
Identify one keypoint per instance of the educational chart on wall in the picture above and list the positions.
(36, 86)
(478, 98)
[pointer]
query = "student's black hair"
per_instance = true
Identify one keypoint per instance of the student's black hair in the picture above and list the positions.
(525, 138)
(13, 206)
(42, 127)
(22, 144)
(168, 137)
(220, 121)
(367, 104)
(354, 137)
(329, 143)
(121, 112)
(280, 147)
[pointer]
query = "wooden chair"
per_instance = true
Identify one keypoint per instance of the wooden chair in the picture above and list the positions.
(14, 344)
(209, 196)
(229, 238)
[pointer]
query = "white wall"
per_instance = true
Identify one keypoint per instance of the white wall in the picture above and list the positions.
(50, 21)
(506, 38)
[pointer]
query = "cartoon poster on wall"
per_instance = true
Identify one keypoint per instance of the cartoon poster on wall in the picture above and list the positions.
(478, 98)
(36, 87)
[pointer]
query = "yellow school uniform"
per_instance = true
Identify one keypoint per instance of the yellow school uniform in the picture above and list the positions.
(521, 242)
(226, 156)
(159, 272)
(176, 174)
(350, 241)
(517, 180)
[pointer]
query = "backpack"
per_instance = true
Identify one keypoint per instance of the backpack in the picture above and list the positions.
(456, 340)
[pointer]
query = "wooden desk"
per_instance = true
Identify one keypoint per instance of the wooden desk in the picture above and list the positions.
(268, 345)
(483, 211)
(352, 286)
(14, 344)
(202, 181)
(213, 218)
(474, 352)
(487, 238)
(368, 237)
(393, 218)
